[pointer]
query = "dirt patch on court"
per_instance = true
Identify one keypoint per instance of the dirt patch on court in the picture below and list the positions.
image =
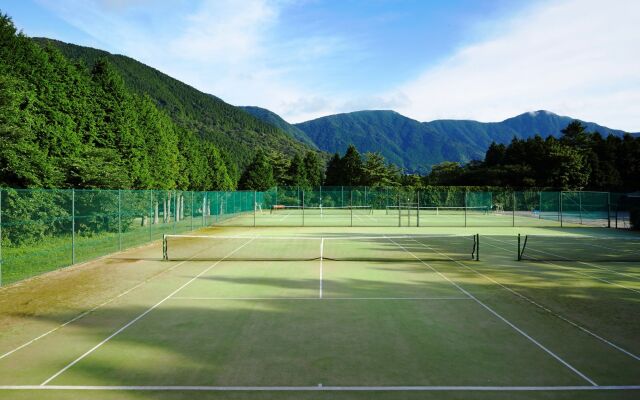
(62, 294)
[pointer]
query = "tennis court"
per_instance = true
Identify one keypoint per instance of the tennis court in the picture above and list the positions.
(320, 312)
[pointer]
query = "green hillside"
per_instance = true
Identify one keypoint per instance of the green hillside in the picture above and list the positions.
(236, 132)
(416, 146)
(63, 124)
(274, 119)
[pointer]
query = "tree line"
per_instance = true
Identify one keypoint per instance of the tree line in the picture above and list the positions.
(63, 124)
(577, 160)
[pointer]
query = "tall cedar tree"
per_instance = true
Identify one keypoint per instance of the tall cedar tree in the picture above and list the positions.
(314, 168)
(333, 176)
(352, 167)
(298, 173)
(258, 175)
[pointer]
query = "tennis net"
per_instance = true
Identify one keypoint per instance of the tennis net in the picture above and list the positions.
(320, 210)
(436, 210)
(578, 248)
(299, 248)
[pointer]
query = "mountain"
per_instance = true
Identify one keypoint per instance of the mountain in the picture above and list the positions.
(274, 119)
(235, 131)
(416, 146)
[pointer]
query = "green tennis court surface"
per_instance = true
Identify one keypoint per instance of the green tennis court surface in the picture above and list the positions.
(334, 313)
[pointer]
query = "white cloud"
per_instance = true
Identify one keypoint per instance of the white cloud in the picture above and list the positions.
(579, 58)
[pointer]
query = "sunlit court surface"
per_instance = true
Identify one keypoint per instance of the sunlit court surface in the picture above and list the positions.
(344, 313)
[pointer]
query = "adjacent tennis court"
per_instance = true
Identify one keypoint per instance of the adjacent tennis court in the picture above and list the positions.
(334, 313)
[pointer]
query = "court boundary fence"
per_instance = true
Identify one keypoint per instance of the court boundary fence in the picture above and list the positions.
(45, 229)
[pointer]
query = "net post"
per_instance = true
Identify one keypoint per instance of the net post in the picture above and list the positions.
(477, 247)
(119, 219)
(73, 226)
(164, 246)
(255, 206)
(561, 216)
(518, 252)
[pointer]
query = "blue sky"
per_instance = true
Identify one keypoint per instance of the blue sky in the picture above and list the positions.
(428, 59)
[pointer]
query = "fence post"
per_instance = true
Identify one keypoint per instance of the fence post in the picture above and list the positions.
(580, 205)
(119, 220)
(561, 216)
(418, 208)
(465, 208)
(513, 209)
(151, 215)
(255, 205)
(192, 210)
(608, 209)
(350, 204)
(399, 211)
(73, 226)
(0, 237)
(302, 205)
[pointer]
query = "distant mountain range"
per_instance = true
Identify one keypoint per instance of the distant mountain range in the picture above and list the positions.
(416, 146)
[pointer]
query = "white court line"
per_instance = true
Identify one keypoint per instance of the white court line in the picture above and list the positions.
(133, 321)
(492, 311)
(320, 388)
(585, 330)
(319, 298)
(573, 269)
(321, 257)
(91, 310)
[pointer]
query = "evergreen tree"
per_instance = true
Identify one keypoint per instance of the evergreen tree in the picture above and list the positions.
(376, 171)
(297, 173)
(352, 167)
(334, 176)
(314, 169)
(258, 175)
(280, 164)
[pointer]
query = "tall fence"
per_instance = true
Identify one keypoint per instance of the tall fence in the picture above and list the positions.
(42, 230)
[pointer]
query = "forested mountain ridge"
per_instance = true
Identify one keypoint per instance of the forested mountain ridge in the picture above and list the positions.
(63, 124)
(416, 146)
(233, 130)
(274, 119)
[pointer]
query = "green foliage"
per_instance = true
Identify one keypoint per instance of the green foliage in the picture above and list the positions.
(298, 173)
(377, 173)
(352, 167)
(258, 175)
(235, 132)
(314, 169)
(577, 160)
(417, 146)
(63, 125)
(333, 176)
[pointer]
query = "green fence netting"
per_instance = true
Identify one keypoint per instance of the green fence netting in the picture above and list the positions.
(45, 229)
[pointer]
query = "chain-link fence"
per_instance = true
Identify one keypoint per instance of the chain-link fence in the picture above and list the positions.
(45, 229)
(42, 230)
